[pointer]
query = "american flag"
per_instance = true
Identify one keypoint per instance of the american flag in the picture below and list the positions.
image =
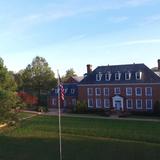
(61, 88)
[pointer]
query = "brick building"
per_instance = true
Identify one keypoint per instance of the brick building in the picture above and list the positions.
(70, 93)
(132, 87)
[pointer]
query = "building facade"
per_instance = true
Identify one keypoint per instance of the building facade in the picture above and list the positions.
(132, 87)
(70, 93)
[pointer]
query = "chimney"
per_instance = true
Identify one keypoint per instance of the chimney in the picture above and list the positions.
(89, 68)
(159, 64)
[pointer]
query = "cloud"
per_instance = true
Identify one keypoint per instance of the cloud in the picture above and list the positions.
(118, 19)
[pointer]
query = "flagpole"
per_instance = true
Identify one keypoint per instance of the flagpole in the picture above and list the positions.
(59, 119)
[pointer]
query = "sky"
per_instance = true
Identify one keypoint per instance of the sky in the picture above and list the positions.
(74, 33)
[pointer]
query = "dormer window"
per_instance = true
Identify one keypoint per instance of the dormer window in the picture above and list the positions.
(117, 76)
(108, 76)
(99, 76)
(72, 91)
(127, 75)
(138, 75)
(65, 90)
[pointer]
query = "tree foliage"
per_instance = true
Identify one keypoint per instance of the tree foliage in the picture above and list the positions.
(8, 98)
(38, 78)
(69, 73)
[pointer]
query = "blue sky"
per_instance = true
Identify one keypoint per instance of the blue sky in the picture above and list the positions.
(73, 33)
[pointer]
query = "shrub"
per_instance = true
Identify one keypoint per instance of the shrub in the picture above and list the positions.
(157, 107)
(80, 107)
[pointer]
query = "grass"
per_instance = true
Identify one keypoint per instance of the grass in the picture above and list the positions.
(82, 139)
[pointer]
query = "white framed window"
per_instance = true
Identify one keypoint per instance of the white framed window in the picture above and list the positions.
(72, 91)
(128, 91)
(138, 75)
(106, 91)
(56, 91)
(149, 104)
(138, 91)
(89, 91)
(138, 104)
(117, 90)
(98, 91)
(106, 103)
(108, 76)
(98, 103)
(54, 101)
(129, 103)
(73, 101)
(90, 103)
(65, 90)
(127, 75)
(117, 76)
(99, 76)
(148, 91)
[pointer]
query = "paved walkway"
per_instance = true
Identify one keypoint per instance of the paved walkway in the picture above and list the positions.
(54, 112)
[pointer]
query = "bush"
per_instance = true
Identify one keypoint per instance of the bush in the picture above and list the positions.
(80, 107)
(157, 107)
(42, 108)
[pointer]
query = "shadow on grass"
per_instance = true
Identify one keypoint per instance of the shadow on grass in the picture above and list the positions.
(75, 148)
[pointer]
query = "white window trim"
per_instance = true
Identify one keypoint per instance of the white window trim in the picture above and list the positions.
(127, 92)
(104, 89)
(54, 101)
(116, 89)
(127, 74)
(88, 91)
(117, 74)
(108, 74)
(74, 101)
(89, 106)
(96, 89)
(72, 91)
(137, 103)
(131, 103)
(105, 103)
(99, 76)
(151, 104)
(136, 91)
(140, 76)
(146, 91)
(98, 106)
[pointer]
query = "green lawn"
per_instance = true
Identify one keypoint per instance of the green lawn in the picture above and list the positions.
(82, 139)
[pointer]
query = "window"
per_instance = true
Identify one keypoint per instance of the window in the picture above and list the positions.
(138, 75)
(73, 101)
(98, 103)
(148, 91)
(117, 76)
(90, 91)
(138, 104)
(56, 91)
(148, 103)
(90, 102)
(98, 76)
(72, 91)
(129, 91)
(106, 103)
(65, 90)
(129, 103)
(98, 91)
(106, 91)
(117, 91)
(127, 76)
(138, 91)
(54, 101)
(108, 76)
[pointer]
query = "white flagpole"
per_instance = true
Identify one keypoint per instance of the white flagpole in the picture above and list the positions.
(59, 117)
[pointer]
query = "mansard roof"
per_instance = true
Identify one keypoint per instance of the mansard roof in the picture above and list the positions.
(148, 76)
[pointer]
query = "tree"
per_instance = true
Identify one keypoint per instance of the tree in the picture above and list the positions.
(8, 98)
(69, 73)
(38, 78)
